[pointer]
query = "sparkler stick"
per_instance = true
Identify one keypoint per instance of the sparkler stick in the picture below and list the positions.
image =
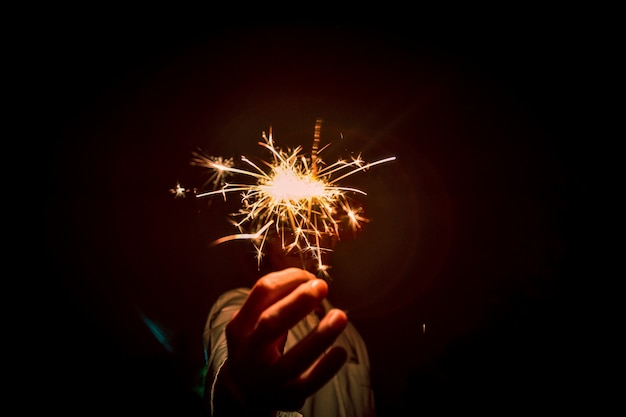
(295, 198)
(315, 147)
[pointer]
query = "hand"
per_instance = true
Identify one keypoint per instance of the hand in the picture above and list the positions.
(257, 373)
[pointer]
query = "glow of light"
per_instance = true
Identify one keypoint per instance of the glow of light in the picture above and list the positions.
(300, 199)
(179, 191)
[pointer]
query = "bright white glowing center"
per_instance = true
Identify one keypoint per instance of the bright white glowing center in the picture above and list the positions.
(289, 185)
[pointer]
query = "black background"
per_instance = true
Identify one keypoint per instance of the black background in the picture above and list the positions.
(475, 229)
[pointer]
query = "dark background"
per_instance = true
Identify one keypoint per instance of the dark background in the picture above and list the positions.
(475, 229)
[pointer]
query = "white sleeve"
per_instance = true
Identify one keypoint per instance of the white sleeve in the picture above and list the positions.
(214, 337)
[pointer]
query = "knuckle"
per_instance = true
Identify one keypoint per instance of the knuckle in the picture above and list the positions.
(266, 283)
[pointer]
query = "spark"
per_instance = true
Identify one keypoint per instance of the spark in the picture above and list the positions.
(179, 191)
(299, 199)
(218, 165)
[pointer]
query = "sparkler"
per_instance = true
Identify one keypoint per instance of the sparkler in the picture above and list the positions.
(297, 199)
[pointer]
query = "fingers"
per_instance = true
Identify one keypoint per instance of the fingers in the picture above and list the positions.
(305, 368)
(287, 312)
(318, 375)
(300, 357)
(269, 289)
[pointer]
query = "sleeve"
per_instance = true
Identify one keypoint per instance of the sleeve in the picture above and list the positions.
(214, 337)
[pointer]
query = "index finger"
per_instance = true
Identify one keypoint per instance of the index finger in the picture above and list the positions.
(268, 290)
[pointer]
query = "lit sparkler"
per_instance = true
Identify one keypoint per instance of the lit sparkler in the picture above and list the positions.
(299, 199)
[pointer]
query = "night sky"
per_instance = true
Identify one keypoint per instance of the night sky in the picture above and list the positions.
(475, 234)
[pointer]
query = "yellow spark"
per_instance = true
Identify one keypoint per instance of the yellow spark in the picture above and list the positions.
(354, 216)
(296, 197)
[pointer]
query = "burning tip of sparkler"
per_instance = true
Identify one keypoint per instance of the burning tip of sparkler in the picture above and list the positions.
(297, 198)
